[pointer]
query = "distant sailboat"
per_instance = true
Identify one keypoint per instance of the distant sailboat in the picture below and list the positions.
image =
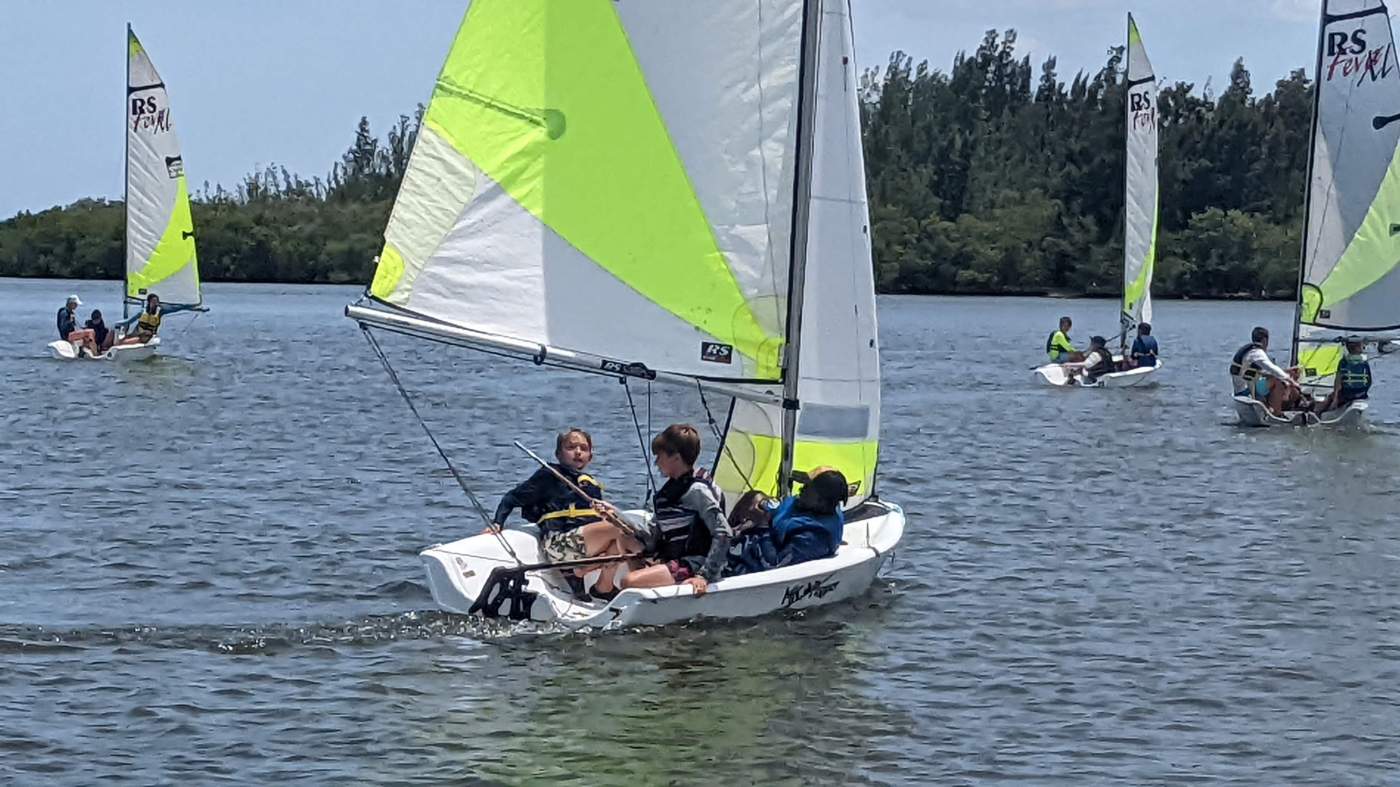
(160, 244)
(1349, 268)
(692, 172)
(1140, 217)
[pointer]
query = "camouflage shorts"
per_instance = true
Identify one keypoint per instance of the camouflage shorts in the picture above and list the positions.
(564, 545)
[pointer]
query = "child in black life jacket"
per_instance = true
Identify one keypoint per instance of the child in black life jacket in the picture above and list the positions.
(560, 512)
(690, 531)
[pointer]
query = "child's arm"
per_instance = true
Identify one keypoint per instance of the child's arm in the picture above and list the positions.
(525, 493)
(699, 498)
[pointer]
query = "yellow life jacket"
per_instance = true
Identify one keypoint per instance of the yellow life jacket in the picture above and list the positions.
(148, 322)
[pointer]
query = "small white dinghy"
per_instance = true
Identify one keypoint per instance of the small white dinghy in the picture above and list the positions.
(1349, 282)
(1054, 374)
(460, 572)
(160, 244)
(1252, 412)
(1140, 222)
(68, 351)
(713, 239)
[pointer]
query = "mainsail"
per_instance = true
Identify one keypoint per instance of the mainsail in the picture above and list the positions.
(654, 188)
(160, 248)
(1140, 191)
(1349, 282)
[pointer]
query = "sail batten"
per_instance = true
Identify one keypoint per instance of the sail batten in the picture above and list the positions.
(160, 240)
(1350, 266)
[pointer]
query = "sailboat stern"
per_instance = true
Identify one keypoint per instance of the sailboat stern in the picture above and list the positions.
(458, 573)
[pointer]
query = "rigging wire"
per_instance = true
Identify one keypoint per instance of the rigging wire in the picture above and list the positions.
(462, 482)
(724, 444)
(641, 441)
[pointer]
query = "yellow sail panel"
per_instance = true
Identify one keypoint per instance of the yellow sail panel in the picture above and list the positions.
(558, 113)
(1374, 251)
(751, 461)
(1319, 362)
(173, 255)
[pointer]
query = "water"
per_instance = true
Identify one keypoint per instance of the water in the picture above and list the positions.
(208, 571)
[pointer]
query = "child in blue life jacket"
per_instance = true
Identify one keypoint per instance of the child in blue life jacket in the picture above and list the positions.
(1352, 382)
(807, 526)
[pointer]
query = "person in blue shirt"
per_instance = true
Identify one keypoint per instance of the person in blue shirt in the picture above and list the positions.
(69, 329)
(806, 526)
(1144, 349)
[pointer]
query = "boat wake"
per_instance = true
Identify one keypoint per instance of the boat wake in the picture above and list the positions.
(265, 638)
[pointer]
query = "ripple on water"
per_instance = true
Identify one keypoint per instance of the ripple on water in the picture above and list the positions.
(1095, 587)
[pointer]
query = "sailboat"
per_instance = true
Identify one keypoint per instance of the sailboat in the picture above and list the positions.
(1349, 268)
(692, 171)
(1139, 220)
(160, 245)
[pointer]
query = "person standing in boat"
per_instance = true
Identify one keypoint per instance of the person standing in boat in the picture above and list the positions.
(1352, 382)
(1254, 374)
(1144, 349)
(1097, 363)
(68, 326)
(561, 513)
(1059, 347)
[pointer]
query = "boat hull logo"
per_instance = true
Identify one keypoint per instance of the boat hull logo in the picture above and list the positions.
(816, 588)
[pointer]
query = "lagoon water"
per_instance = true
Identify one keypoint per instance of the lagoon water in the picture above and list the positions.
(208, 571)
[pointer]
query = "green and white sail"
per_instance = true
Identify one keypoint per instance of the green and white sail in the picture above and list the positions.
(1351, 248)
(1140, 186)
(611, 185)
(160, 246)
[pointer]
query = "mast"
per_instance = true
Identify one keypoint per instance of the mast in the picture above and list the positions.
(126, 171)
(801, 214)
(1307, 186)
(1127, 150)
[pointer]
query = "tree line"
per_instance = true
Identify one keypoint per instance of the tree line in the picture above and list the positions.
(985, 178)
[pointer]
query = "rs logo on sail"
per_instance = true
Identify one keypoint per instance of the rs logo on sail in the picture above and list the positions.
(1348, 56)
(1144, 114)
(147, 115)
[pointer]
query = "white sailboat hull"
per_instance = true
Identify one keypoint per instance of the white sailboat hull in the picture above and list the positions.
(457, 574)
(68, 351)
(1252, 412)
(1054, 374)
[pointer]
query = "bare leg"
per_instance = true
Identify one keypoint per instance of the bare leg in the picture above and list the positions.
(1277, 394)
(649, 577)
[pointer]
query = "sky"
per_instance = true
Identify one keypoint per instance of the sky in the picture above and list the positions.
(257, 82)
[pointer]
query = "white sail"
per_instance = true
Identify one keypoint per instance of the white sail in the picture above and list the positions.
(160, 246)
(1350, 282)
(617, 180)
(567, 190)
(839, 381)
(1140, 192)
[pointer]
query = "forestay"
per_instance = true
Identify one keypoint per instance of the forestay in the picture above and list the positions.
(1140, 187)
(160, 246)
(616, 180)
(1349, 282)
